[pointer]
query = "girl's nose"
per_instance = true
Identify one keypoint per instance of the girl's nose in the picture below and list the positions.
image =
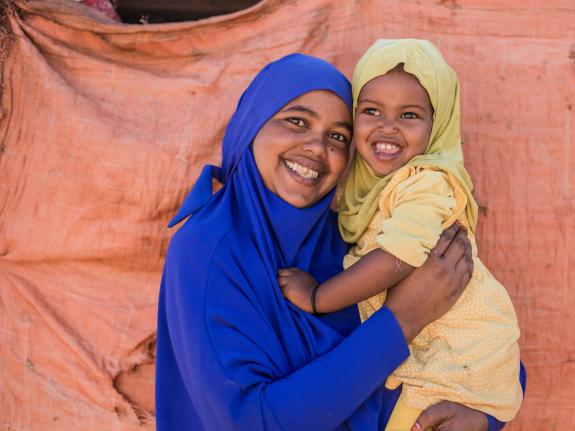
(388, 125)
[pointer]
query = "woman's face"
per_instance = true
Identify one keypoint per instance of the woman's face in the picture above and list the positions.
(303, 149)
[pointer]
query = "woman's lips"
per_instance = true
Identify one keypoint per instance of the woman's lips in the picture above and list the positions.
(309, 175)
(386, 150)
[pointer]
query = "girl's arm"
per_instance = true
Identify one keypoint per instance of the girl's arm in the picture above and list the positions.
(420, 206)
(374, 273)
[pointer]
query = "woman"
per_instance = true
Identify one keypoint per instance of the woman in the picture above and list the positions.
(232, 353)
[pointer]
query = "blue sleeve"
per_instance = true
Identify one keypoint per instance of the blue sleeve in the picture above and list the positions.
(326, 391)
(234, 370)
(494, 424)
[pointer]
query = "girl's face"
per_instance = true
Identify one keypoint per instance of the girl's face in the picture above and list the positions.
(302, 151)
(393, 121)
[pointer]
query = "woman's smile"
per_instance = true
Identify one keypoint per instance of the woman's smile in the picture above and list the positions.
(305, 170)
(302, 151)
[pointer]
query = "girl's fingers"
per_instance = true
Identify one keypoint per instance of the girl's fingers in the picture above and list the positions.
(287, 271)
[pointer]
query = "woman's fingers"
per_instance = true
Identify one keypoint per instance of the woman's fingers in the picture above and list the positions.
(445, 240)
(457, 246)
(434, 416)
(449, 416)
(464, 265)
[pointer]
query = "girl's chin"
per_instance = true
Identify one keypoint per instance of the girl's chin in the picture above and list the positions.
(384, 168)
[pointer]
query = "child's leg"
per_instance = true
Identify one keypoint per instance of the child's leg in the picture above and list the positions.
(403, 417)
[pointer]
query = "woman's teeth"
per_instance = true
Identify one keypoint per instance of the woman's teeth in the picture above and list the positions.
(303, 171)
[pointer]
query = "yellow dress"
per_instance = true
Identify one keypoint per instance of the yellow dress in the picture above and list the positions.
(471, 354)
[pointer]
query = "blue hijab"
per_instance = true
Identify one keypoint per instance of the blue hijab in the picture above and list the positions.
(232, 352)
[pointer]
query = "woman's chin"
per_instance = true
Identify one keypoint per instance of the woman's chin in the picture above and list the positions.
(299, 200)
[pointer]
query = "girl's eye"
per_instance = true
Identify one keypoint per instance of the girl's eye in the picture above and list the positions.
(409, 115)
(297, 121)
(371, 111)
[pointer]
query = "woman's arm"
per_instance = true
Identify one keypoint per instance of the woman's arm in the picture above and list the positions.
(235, 384)
(325, 392)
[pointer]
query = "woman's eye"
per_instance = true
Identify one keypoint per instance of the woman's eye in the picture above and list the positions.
(297, 121)
(409, 115)
(339, 137)
(371, 111)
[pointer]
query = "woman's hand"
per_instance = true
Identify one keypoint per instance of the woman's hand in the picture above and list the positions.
(449, 416)
(431, 290)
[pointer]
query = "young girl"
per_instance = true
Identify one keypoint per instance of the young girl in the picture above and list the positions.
(407, 183)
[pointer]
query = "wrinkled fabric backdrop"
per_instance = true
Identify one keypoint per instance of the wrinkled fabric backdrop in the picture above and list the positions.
(104, 128)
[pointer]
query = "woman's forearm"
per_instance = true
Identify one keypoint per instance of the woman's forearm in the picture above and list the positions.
(325, 392)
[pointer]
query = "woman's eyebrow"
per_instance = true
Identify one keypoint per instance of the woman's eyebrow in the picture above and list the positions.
(345, 125)
(300, 108)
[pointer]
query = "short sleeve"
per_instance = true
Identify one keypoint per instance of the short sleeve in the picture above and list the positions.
(418, 206)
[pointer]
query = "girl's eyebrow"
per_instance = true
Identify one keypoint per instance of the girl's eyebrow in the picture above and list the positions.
(410, 105)
(368, 101)
(414, 105)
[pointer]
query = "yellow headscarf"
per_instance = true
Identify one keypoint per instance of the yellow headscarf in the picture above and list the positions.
(363, 186)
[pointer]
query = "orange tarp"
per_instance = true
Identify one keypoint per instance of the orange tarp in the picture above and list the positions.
(105, 127)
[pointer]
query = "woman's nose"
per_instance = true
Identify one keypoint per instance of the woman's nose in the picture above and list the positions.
(315, 145)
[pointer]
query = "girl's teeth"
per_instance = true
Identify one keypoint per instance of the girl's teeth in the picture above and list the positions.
(304, 171)
(386, 147)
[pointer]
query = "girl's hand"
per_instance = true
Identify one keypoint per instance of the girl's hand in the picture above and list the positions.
(297, 287)
(449, 416)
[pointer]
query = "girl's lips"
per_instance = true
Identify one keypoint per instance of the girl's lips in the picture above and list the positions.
(386, 150)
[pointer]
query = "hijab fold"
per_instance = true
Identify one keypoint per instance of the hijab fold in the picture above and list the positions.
(360, 197)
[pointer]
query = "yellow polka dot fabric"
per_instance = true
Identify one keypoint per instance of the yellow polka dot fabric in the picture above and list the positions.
(471, 354)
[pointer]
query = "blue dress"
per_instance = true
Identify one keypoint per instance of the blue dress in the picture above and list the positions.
(233, 354)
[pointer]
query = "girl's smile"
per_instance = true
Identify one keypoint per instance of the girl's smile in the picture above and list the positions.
(393, 121)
